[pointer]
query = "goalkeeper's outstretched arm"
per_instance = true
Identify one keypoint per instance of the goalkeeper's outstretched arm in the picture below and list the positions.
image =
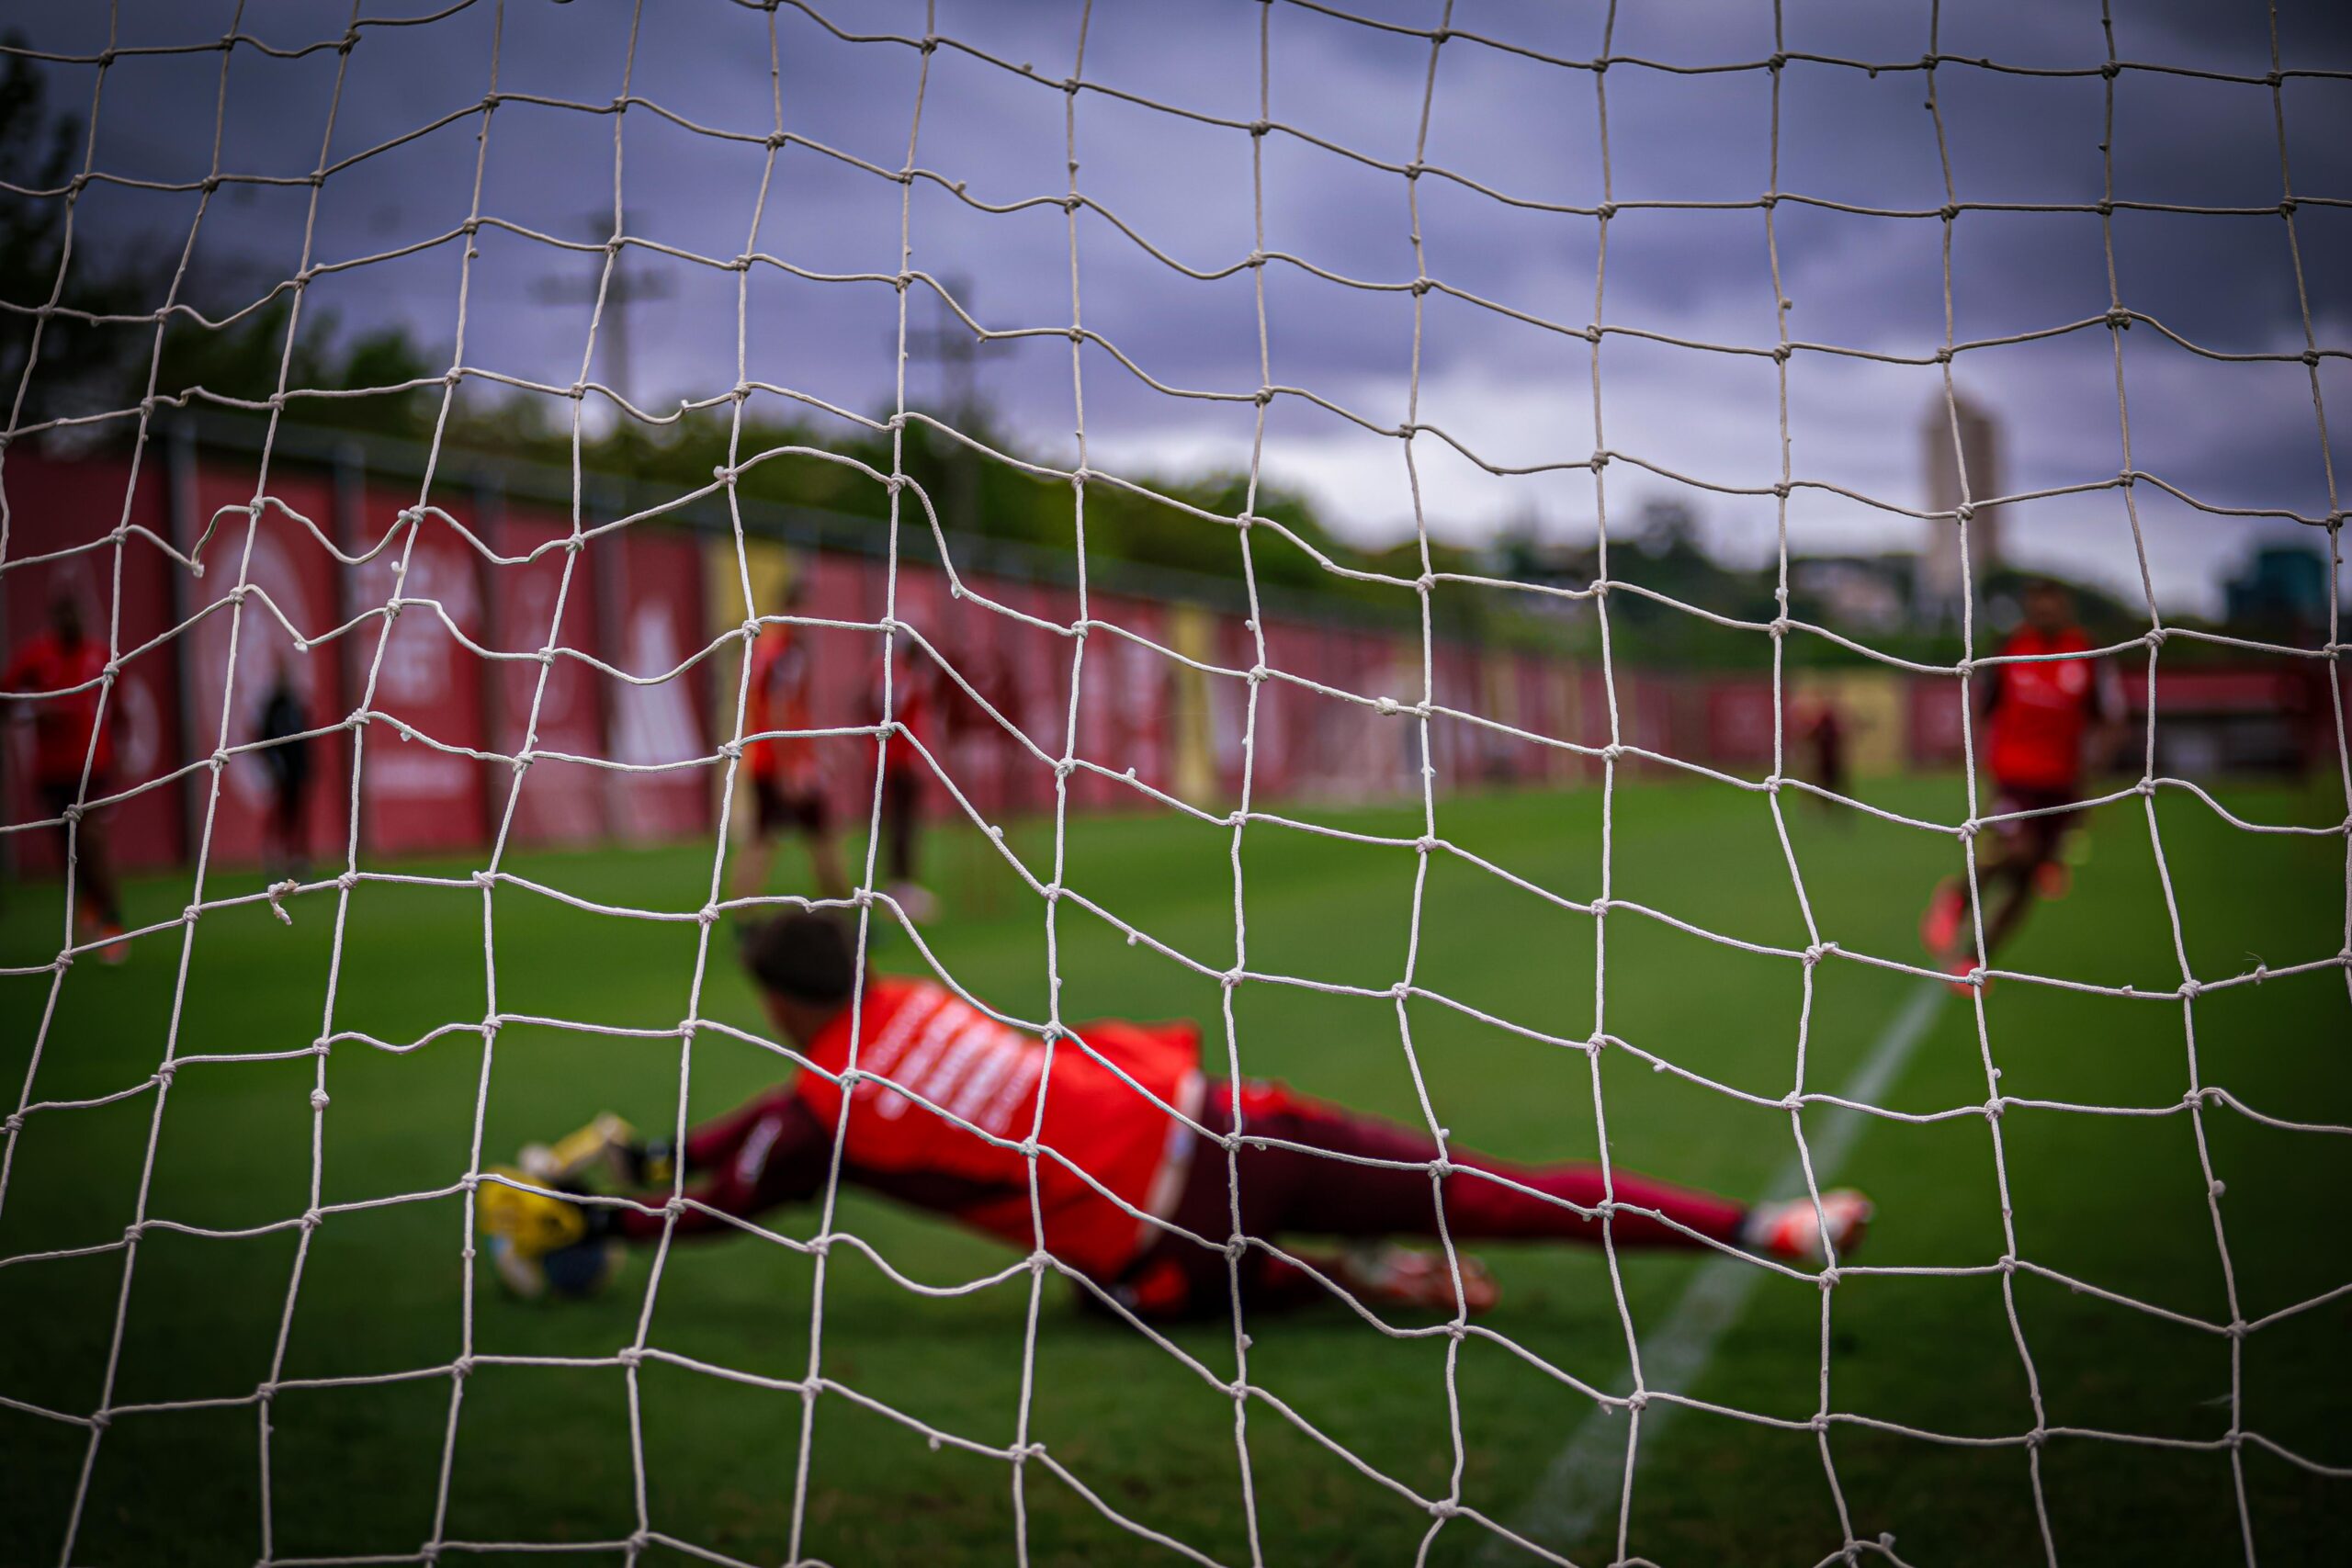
(764, 1154)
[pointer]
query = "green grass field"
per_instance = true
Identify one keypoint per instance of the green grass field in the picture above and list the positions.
(543, 1453)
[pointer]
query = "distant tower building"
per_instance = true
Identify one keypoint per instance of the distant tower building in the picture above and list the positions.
(1941, 588)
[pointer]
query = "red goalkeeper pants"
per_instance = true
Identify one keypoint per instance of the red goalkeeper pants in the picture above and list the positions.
(1307, 1190)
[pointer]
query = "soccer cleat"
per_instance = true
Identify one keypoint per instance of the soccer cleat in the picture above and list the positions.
(1940, 926)
(92, 925)
(1791, 1230)
(2053, 879)
(1962, 969)
(1401, 1276)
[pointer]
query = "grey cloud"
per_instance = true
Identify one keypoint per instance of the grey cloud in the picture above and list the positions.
(1517, 392)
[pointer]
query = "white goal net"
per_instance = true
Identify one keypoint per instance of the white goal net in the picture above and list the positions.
(818, 250)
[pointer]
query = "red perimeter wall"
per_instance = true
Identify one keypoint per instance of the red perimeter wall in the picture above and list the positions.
(637, 600)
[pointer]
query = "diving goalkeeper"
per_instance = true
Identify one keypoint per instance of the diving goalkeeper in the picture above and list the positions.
(922, 1050)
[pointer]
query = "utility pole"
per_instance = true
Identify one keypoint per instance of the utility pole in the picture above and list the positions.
(955, 349)
(626, 286)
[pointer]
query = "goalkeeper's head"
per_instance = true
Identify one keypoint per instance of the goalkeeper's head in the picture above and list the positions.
(2048, 605)
(804, 962)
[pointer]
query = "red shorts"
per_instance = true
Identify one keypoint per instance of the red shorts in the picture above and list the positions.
(778, 804)
(2040, 835)
(58, 794)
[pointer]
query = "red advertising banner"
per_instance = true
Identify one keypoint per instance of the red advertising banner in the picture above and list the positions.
(984, 758)
(655, 626)
(1544, 710)
(1292, 747)
(1649, 717)
(1459, 751)
(1592, 715)
(416, 796)
(1228, 700)
(199, 669)
(1933, 721)
(559, 802)
(1739, 724)
(1035, 679)
(1122, 703)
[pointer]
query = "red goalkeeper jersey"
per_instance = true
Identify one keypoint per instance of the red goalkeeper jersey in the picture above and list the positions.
(2039, 712)
(61, 725)
(931, 1044)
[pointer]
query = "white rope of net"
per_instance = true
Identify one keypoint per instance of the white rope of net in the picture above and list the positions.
(1022, 1450)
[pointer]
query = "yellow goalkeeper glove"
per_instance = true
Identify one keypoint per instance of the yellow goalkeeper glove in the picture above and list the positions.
(542, 1244)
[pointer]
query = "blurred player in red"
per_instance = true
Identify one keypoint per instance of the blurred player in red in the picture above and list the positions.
(1326, 1171)
(788, 784)
(2039, 724)
(60, 656)
(910, 704)
(1824, 731)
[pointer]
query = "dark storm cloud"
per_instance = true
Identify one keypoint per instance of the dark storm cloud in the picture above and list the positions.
(1518, 393)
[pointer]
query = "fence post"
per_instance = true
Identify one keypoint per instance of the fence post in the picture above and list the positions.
(181, 524)
(349, 528)
(489, 515)
(608, 580)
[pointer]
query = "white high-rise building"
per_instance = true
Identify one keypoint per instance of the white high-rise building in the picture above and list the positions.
(1979, 448)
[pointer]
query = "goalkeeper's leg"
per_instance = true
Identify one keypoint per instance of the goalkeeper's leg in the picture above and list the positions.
(2013, 867)
(1334, 1172)
(1309, 1191)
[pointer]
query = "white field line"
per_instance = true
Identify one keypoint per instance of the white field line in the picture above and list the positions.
(1584, 1482)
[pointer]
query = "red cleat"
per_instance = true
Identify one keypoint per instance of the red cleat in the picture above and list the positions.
(2053, 879)
(1791, 1229)
(1963, 971)
(1939, 927)
(117, 946)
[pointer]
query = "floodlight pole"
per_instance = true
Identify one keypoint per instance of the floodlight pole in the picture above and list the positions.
(622, 286)
(955, 349)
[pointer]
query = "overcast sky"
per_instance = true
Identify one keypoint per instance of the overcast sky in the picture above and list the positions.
(2233, 434)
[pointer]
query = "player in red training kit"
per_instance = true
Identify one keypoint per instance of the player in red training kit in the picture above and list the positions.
(923, 1050)
(60, 656)
(1825, 730)
(787, 787)
(2039, 722)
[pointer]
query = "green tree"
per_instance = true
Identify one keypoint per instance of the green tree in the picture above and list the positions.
(82, 364)
(87, 366)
